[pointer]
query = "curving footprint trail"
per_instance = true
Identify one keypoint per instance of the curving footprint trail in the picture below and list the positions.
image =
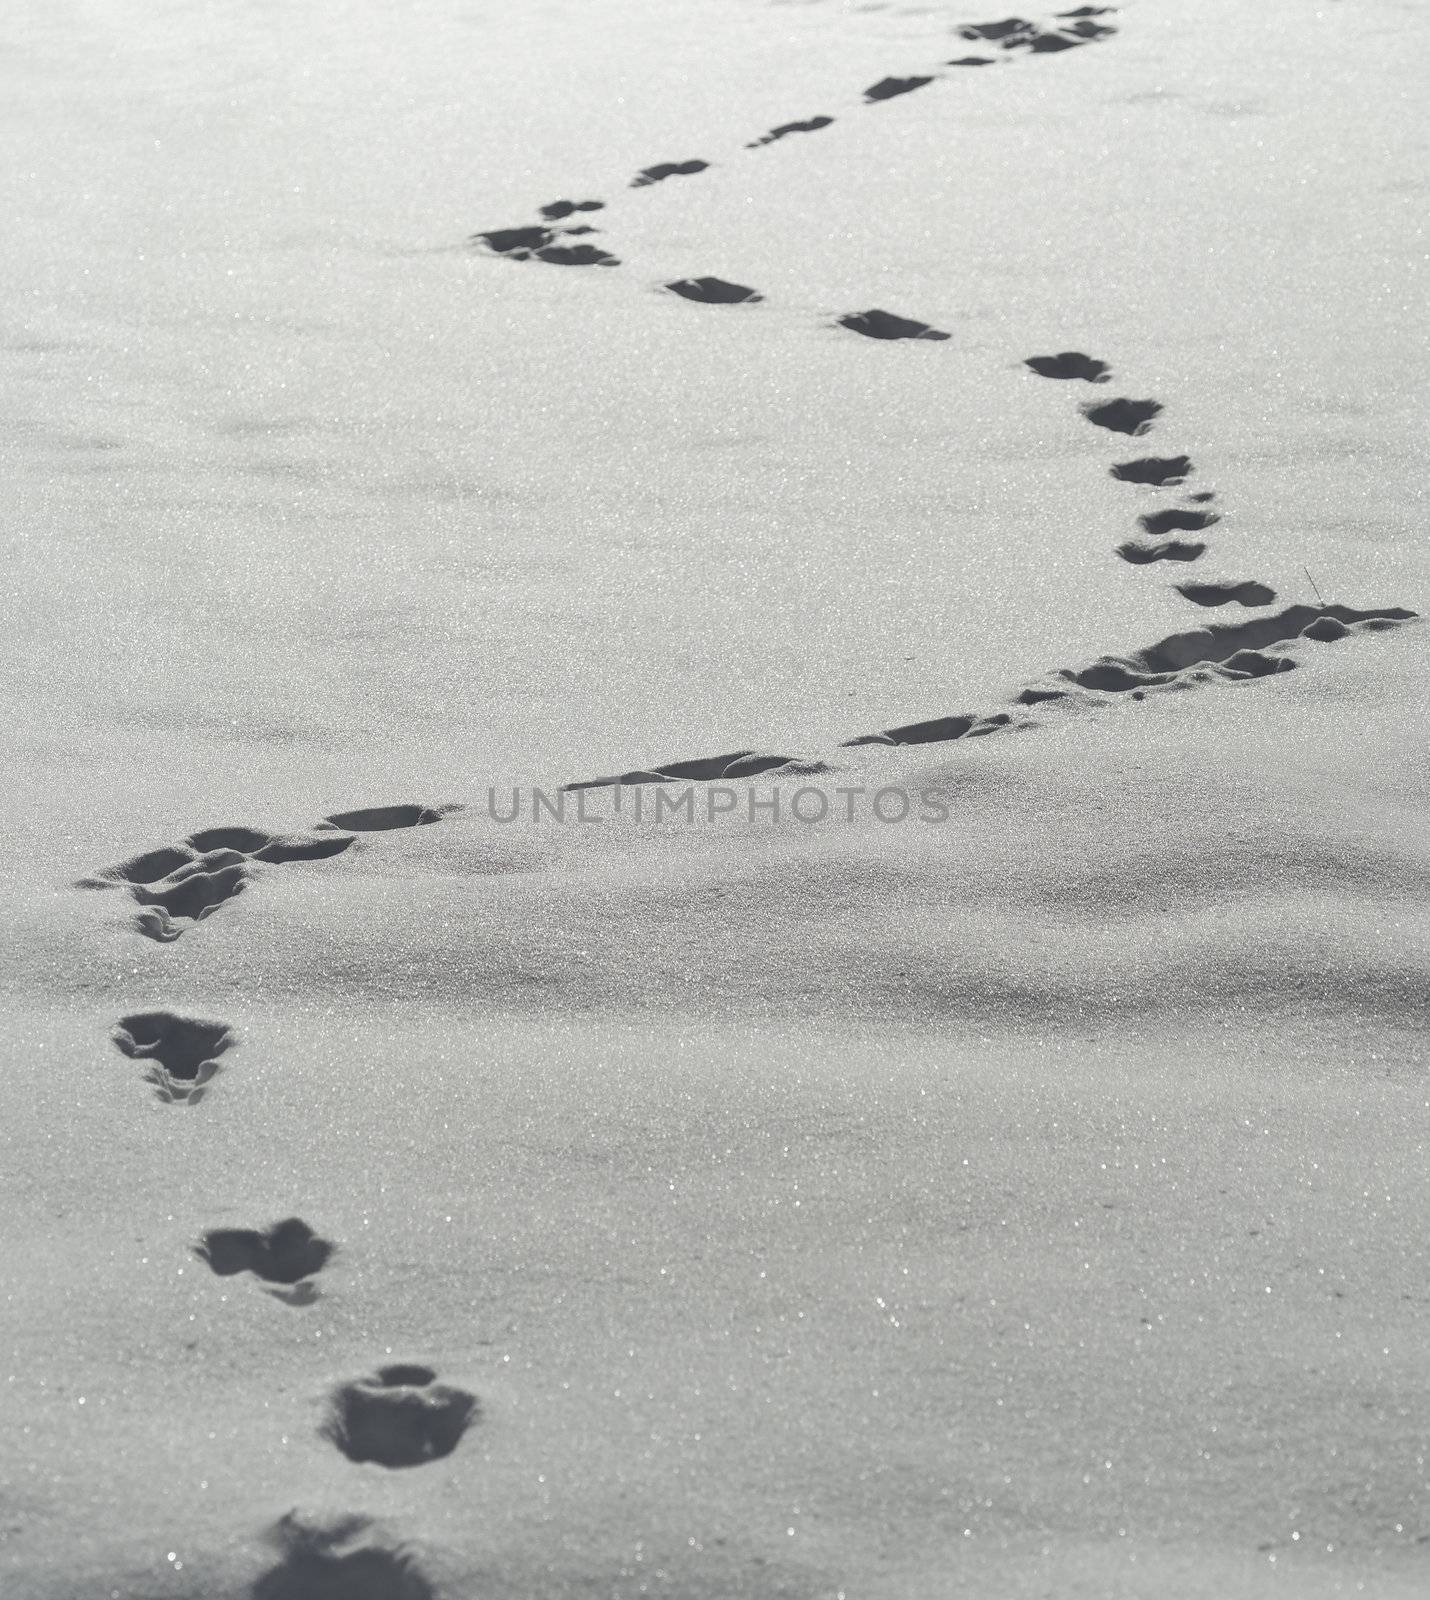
(1158, 528)
(543, 241)
(1226, 653)
(402, 1416)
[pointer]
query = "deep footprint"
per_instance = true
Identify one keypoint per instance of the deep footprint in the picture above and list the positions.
(667, 169)
(379, 819)
(517, 242)
(401, 1417)
(1123, 416)
(558, 210)
(180, 885)
(183, 1051)
(340, 1558)
(888, 88)
(536, 243)
(576, 255)
(705, 769)
(885, 325)
(1070, 364)
(1160, 471)
(1220, 653)
(1141, 555)
(714, 291)
(286, 1253)
(811, 125)
(1232, 649)
(1008, 28)
(1175, 519)
(1221, 594)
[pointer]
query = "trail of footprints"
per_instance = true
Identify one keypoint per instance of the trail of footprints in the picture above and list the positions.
(1226, 652)
(401, 1415)
(179, 885)
(549, 239)
(1158, 528)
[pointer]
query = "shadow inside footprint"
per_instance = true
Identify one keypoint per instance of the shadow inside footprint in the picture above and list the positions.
(888, 88)
(343, 1558)
(184, 1051)
(667, 169)
(401, 1417)
(1009, 27)
(378, 819)
(810, 125)
(937, 730)
(1175, 519)
(714, 291)
(557, 210)
(885, 325)
(1123, 416)
(704, 769)
(972, 61)
(1070, 364)
(286, 1253)
(1221, 594)
(1156, 470)
(149, 867)
(198, 888)
(1141, 555)
(576, 255)
(518, 242)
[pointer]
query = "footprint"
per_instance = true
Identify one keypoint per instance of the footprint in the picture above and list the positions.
(180, 885)
(1123, 416)
(184, 1051)
(887, 88)
(667, 169)
(1070, 364)
(1045, 43)
(714, 291)
(557, 210)
(536, 243)
(190, 894)
(885, 325)
(1141, 555)
(576, 255)
(1229, 649)
(1010, 27)
(518, 243)
(340, 1558)
(401, 1417)
(286, 1254)
(812, 125)
(1157, 470)
(1176, 519)
(1086, 29)
(1203, 497)
(378, 819)
(972, 61)
(937, 730)
(705, 769)
(1220, 594)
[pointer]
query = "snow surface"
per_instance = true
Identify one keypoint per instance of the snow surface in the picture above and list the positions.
(1032, 1204)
